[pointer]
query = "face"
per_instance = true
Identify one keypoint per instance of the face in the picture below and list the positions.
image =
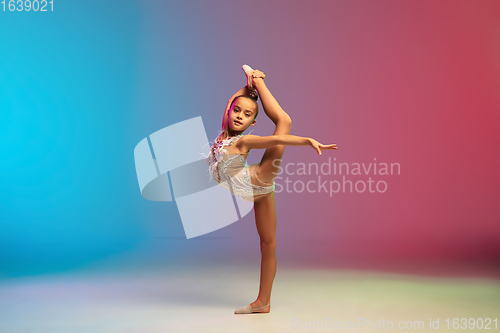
(242, 114)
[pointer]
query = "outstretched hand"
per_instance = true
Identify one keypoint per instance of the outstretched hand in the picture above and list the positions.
(319, 146)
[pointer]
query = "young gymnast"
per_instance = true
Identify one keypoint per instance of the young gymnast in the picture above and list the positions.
(227, 165)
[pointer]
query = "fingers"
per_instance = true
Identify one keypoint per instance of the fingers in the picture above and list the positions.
(258, 74)
(319, 146)
(325, 147)
(332, 146)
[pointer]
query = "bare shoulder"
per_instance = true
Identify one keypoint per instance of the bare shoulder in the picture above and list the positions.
(242, 143)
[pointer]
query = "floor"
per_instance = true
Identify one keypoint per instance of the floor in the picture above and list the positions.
(115, 297)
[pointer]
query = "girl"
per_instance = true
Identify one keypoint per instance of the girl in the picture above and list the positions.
(227, 164)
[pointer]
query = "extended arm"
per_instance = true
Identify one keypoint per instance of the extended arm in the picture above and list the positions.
(248, 142)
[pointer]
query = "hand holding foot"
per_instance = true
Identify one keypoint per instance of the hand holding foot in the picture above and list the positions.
(256, 74)
(251, 75)
(256, 77)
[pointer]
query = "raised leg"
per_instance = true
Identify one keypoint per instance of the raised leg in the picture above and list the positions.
(271, 160)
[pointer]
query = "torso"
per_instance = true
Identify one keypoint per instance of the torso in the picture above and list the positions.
(235, 148)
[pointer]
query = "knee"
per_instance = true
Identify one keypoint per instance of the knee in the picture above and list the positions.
(288, 121)
(268, 245)
(286, 124)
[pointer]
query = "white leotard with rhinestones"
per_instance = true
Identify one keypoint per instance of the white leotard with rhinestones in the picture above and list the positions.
(232, 172)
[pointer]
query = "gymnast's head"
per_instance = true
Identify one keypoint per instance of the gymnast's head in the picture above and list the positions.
(243, 112)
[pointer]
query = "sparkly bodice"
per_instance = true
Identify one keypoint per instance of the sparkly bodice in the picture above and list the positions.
(223, 165)
(231, 171)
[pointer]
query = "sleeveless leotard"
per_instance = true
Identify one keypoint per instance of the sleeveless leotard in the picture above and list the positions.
(231, 171)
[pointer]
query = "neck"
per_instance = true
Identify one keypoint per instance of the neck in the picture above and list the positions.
(231, 133)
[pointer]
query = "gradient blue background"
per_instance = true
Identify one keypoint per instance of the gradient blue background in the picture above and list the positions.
(412, 82)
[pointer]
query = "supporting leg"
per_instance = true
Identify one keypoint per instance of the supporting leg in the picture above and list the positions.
(265, 219)
(265, 207)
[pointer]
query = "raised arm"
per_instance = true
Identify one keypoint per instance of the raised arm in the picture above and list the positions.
(248, 142)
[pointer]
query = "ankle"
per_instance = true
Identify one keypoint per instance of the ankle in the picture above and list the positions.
(262, 301)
